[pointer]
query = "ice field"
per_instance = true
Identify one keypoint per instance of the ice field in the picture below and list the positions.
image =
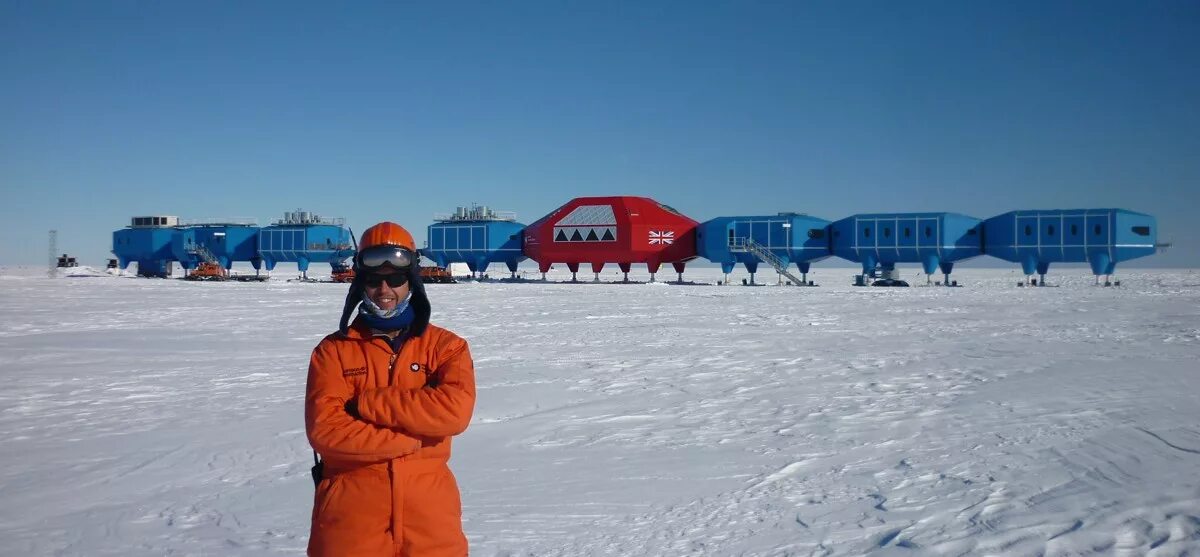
(148, 417)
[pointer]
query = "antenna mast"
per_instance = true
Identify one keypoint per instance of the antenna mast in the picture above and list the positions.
(53, 260)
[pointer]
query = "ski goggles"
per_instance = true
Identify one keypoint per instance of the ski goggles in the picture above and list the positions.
(378, 256)
(394, 280)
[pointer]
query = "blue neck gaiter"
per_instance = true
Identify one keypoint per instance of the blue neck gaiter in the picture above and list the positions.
(393, 320)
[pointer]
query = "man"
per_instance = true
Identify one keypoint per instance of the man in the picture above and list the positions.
(385, 395)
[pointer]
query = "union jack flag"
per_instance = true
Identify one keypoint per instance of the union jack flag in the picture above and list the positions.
(662, 237)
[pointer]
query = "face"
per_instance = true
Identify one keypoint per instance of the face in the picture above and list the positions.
(384, 296)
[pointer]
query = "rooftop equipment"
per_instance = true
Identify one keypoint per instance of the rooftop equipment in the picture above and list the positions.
(475, 213)
(301, 217)
(154, 222)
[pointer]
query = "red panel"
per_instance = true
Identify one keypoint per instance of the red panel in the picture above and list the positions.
(619, 229)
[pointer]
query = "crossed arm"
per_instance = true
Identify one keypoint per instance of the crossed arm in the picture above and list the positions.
(393, 419)
(335, 433)
(442, 410)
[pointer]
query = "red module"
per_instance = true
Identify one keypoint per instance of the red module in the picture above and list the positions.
(620, 229)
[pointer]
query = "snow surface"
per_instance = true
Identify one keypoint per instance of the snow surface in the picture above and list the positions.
(162, 417)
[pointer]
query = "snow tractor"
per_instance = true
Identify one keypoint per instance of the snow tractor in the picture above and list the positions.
(341, 273)
(436, 274)
(207, 271)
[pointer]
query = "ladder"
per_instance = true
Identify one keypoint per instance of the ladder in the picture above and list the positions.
(763, 254)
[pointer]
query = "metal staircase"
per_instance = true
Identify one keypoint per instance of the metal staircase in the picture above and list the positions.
(763, 254)
(204, 254)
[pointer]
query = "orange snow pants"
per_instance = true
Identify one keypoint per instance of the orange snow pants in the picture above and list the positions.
(353, 516)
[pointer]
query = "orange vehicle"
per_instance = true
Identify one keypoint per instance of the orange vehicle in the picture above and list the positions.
(342, 273)
(207, 271)
(436, 274)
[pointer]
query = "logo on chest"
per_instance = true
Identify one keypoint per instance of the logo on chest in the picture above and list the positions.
(354, 371)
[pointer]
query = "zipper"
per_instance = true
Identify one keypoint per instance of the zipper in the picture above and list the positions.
(396, 534)
(395, 525)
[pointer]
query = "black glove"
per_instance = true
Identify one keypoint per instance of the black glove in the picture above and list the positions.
(352, 409)
(317, 470)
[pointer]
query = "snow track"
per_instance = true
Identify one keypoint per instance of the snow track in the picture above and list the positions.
(165, 418)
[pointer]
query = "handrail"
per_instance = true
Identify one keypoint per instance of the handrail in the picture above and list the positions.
(762, 253)
(203, 252)
(235, 221)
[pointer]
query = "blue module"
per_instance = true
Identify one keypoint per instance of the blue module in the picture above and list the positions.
(304, 238)
(221, 243)
(1099, 237)
(790, 237)
(147, 241)
(476, 236)
(932, 239)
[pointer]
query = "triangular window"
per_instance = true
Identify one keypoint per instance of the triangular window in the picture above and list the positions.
(576, 237)
(592, 237)
(608, 235)
(561, 237)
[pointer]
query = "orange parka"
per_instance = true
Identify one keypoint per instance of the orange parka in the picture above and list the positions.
(386, 488)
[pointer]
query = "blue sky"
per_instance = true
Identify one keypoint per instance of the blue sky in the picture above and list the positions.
(396, 111)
